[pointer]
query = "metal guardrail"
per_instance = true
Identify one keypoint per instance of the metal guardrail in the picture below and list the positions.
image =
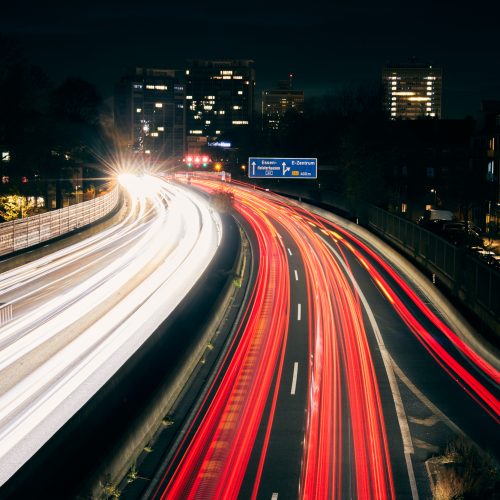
(24, 233)
(467, 277)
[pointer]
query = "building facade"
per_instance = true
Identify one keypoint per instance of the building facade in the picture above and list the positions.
(149, 112)
(219, 97)
(412, 91)
(278, 102)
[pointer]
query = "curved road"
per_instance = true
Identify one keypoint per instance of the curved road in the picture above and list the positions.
(346, 376)
(81, 312)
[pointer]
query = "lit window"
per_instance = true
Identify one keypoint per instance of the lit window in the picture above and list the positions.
(240, 122)
(150, 87)
(5, 156)
(196, 132)
(432, 114)
(154, 134)
(226, 77)
(158, 105)
(222, 112)
(226, 72)
(187, 72)
(161, 87)
(148, 151)
(161, 129)
(137, 86)
(189, 97)
(404, 207)
(139, 110)
(237, 77)
(240, 92)
(207, 122)
(236, 107)
(217, 131)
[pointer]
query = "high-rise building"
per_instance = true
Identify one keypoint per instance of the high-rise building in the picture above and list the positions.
(412, 91)
(150, 113)
(219, 97)
(277, 103)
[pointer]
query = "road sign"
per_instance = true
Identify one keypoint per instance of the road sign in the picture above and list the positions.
(293, 168)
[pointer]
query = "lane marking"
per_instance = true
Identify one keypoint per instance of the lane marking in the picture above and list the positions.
(294, 378)
(289, 251)
(296, 275)
(274, 496)
(396, 395)
(299, 311)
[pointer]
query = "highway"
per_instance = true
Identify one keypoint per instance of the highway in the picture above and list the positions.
(80, 313)
(345, 377)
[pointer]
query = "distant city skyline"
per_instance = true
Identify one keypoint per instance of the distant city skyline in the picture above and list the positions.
(327, 47)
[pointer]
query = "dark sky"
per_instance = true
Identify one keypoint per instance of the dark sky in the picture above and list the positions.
(327, 45)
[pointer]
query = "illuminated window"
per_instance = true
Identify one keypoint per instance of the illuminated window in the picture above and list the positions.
(150, 87)
(189, 97)
(161, 129)
(222, 112)
(196, 132)
(207, 122)
(139, 110)
(492, 144)
(158, 105)
(154, 134)
(226, 72)
(240, 122)
(226, 77)
(137, 86)
(148, 151)
(236, 107)
(217, 131)
(432, 114)
(161, 87)
(6, 156)
(187, 72)
(404, 207)
(240, 92)
(237, 77)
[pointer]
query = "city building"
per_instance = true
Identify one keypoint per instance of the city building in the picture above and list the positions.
(219, 98)
(486, 164)
(149, 112)
(278, 102)
(412, 91)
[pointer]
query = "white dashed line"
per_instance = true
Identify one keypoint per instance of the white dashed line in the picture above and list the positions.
(289, 251)
(294, 378)
(299, 311)
(296, 275)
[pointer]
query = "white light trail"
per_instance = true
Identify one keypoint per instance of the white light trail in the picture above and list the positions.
(83, 311)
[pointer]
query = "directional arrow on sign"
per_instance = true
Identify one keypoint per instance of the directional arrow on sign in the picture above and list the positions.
(253, 170)
(285, 168)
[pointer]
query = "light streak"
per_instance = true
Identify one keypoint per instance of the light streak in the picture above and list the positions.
(84, 310)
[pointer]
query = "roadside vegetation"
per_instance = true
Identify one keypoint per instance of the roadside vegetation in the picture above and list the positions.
(464, 472)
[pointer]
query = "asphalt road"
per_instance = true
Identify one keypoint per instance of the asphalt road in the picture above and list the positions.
(347, 376)
(80, 313)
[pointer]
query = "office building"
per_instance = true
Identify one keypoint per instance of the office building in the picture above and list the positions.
(278, 102)
(219, 98)
(150, 113)
(412, 91)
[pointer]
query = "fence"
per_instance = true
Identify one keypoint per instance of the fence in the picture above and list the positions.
(23, 233)
(473, 281)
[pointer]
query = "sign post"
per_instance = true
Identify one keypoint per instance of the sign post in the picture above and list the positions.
(289, 168)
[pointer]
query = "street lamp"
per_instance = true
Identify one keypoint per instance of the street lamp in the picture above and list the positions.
(435, 196)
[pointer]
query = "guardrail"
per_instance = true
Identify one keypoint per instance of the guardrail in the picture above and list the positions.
(24, 233)
(474, 282)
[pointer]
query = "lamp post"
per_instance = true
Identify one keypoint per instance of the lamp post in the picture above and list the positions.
(435, 196)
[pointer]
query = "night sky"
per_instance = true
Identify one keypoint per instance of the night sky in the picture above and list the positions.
(327, 45)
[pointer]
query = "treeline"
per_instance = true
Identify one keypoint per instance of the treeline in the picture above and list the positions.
(372, 158)
(46, 130)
